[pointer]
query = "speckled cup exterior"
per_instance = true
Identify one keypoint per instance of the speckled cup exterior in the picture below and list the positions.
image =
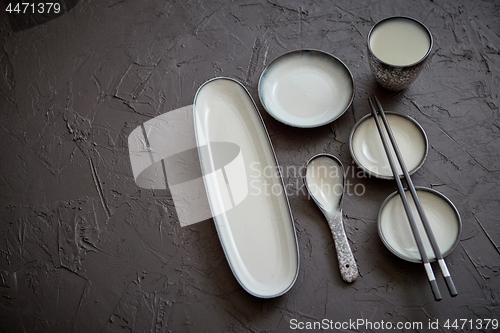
(393, 77)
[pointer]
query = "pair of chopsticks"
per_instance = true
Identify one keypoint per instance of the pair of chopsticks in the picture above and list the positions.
(375, 104)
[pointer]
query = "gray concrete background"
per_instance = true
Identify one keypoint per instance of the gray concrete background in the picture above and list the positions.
(83, 249)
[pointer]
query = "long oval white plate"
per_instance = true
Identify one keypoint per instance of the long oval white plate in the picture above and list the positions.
(368, 152)
(306, 88)
(247, 197)
(395, 232)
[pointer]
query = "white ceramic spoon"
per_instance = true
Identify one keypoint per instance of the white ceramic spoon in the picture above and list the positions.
(325, 183)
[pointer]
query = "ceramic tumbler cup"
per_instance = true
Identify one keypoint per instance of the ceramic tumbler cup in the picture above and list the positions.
(398, 49)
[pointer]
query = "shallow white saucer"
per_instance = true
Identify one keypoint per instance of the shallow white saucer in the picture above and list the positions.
(368, 152)
(395, 232)
(306, 88)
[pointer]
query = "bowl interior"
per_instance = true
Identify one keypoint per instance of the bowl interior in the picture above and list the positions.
(395, 232)
(368, 151)
(306, 88)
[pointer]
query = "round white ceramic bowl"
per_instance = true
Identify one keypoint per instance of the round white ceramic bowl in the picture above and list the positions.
(396, 234)
(368, 151)
(306, 88)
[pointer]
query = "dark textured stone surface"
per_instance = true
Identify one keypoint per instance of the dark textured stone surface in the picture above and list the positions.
(83, 249)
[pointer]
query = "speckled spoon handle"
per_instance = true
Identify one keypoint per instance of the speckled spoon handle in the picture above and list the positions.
(347, 263)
